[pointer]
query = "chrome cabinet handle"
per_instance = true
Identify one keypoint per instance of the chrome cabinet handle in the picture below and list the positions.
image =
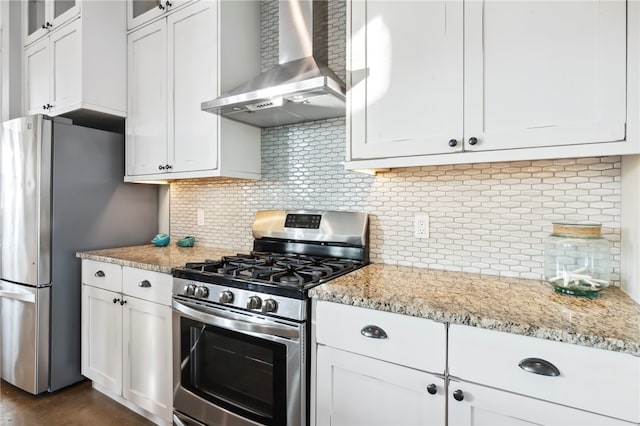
(373, 331)
(144, 283)
(99, 274)
(539, 366)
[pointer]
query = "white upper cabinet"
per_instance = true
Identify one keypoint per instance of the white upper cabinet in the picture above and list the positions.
(405, 78)
(147, 100)
(454, 81)
(42, 16)
(176, 63)
(79, 65)
(142, 11)
(544, 73)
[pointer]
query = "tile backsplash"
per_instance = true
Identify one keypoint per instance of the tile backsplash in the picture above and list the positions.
(487, 217)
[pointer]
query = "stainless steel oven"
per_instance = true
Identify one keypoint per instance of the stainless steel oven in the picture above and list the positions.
(234, 368)
(240, 323)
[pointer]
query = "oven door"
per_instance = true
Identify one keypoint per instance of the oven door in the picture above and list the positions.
(237, 368)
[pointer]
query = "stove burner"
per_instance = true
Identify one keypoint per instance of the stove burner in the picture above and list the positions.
(291, 270)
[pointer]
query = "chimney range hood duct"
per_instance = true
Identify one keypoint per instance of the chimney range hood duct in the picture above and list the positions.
(301, 87)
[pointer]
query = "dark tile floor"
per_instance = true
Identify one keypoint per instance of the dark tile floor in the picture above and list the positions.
(76, 405)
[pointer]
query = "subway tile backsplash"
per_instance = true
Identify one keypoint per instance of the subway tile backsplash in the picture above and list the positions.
(488, 218)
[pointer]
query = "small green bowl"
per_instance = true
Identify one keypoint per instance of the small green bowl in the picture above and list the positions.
(186, 241)
(160, 240)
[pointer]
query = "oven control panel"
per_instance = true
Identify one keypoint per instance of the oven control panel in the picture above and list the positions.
(242, 299)
(304, 221)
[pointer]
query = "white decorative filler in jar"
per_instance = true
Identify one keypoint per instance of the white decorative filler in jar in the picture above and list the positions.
(577, 259)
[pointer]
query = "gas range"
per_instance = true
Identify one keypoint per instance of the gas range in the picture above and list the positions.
(293, 252)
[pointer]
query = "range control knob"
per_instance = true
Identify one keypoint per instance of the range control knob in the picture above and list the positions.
(270, 305)
(189, 290)
(226, 297)
(254, 302)
(202, 291)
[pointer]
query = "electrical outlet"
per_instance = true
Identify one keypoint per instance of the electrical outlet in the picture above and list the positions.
(200, 217)
(421, 226)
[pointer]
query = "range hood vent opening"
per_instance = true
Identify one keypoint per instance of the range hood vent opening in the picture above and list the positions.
(301, 87)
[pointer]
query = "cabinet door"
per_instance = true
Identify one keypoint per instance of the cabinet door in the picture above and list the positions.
(147, 357)
(102, 337)
(62, 11)
(35, 19)
(66, 67)
(141, 11)
(147, 100)
(43, 16)
(37, 85)
(544, 73)
(193, 79)
(405, 77)
(488, 406)
(356, 390)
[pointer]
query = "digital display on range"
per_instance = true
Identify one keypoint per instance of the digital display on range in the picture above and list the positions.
(305, 221)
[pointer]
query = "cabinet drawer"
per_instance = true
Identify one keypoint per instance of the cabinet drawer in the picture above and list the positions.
(592, 379)
(414, 342)
(147, 285)
(103, 275)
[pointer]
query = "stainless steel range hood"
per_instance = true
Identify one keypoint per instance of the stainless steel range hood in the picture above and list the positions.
(301, 87)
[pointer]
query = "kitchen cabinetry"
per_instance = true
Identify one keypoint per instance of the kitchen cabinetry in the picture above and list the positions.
(40, 17)
(377, 368)
(524, 380)
(489, 81)
(143, 11)
(175, 63)
(126, 335)
(79, 66)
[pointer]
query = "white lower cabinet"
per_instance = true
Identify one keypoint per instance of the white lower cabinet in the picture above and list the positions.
(126, 340)
(377, 368)
(356, 390)
(521, 380)
(482, 405)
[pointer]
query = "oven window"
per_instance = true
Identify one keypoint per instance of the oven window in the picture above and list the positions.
(243, 374)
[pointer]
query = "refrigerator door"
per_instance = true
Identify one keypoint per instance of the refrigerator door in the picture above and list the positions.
(24, 332)
(25, 200)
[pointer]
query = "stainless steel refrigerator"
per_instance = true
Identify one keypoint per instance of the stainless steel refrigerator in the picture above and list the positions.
(61, 191)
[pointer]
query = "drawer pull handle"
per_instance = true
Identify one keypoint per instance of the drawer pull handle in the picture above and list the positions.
(458, 395)
(99, 274)
(539, 366)
(373, 331)
(144, 283)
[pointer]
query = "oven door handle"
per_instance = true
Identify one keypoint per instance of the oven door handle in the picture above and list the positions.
(230, 322)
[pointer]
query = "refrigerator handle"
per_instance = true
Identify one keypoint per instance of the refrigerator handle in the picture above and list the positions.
(25, 297)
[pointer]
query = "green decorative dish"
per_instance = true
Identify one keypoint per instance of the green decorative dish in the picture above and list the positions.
(160, 240)
(186, 241)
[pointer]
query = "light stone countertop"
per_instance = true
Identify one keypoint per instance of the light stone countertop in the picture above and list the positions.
(526, 307)
(513, 305)
(158, 259)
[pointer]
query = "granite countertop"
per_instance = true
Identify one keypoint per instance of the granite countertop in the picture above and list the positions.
(159, 259)
(526, 307)
(513, 305)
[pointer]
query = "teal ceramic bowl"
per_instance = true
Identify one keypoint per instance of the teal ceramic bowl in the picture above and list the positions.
(160, 240)
(186, 241)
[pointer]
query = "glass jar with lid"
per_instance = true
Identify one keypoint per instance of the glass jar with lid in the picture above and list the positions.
(577, 259)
